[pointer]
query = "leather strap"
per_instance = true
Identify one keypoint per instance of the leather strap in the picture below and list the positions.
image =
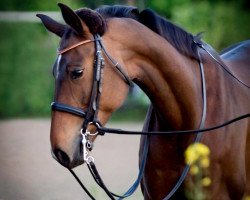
(60, 52)
(69, 109)
(215, 56)
(201, 126)
(93, 108)
(126, 132)
(117, 66)
(81, 184)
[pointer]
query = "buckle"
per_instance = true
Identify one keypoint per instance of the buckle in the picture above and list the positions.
(87, 146)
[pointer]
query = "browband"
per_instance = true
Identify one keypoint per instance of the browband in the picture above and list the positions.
(60, 52)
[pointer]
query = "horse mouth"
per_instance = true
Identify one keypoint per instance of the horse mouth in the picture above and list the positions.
(62, 158)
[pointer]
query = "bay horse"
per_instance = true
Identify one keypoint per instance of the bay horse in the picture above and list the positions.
(161, 58)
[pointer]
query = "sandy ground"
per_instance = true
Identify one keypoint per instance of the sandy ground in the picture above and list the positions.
(28, 172)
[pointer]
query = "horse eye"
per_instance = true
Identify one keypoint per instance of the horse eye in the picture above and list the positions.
(77, 73)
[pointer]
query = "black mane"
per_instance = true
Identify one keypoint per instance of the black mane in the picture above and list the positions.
(119, 11)
(176, 36)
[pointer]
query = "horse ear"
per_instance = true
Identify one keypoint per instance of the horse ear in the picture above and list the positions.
(71, 18)
(94, 21)
(52, 25)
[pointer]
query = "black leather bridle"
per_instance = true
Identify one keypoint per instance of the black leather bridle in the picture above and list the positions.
(91, 115)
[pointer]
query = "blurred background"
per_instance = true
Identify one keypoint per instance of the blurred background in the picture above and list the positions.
(28, 51)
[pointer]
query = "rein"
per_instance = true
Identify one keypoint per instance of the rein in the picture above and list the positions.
(91, 117)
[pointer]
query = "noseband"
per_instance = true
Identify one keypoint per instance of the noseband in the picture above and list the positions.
(91, 115)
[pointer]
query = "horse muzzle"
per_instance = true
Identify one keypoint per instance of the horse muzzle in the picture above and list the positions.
(69, 160)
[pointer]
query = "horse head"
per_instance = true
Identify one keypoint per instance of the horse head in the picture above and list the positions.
(75, 77)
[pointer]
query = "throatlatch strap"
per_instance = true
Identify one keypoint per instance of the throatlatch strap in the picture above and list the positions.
(116, 65)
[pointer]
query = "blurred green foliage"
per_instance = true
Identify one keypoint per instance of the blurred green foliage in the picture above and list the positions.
(222, 23)
(51, 5)
(28, 52)
(30, 5)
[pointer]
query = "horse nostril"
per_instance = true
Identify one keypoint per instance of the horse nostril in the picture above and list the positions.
(62, 157)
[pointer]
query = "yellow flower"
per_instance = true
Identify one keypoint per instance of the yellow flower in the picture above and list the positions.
(190, 156)
(194, 169)
(202, 149)
(195, 151)
(206, 181)
(205, 162)
(247, 198)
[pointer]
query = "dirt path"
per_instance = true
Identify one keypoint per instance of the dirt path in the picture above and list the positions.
(28, 172)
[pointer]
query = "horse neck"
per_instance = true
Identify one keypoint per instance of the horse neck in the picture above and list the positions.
(170, 79)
